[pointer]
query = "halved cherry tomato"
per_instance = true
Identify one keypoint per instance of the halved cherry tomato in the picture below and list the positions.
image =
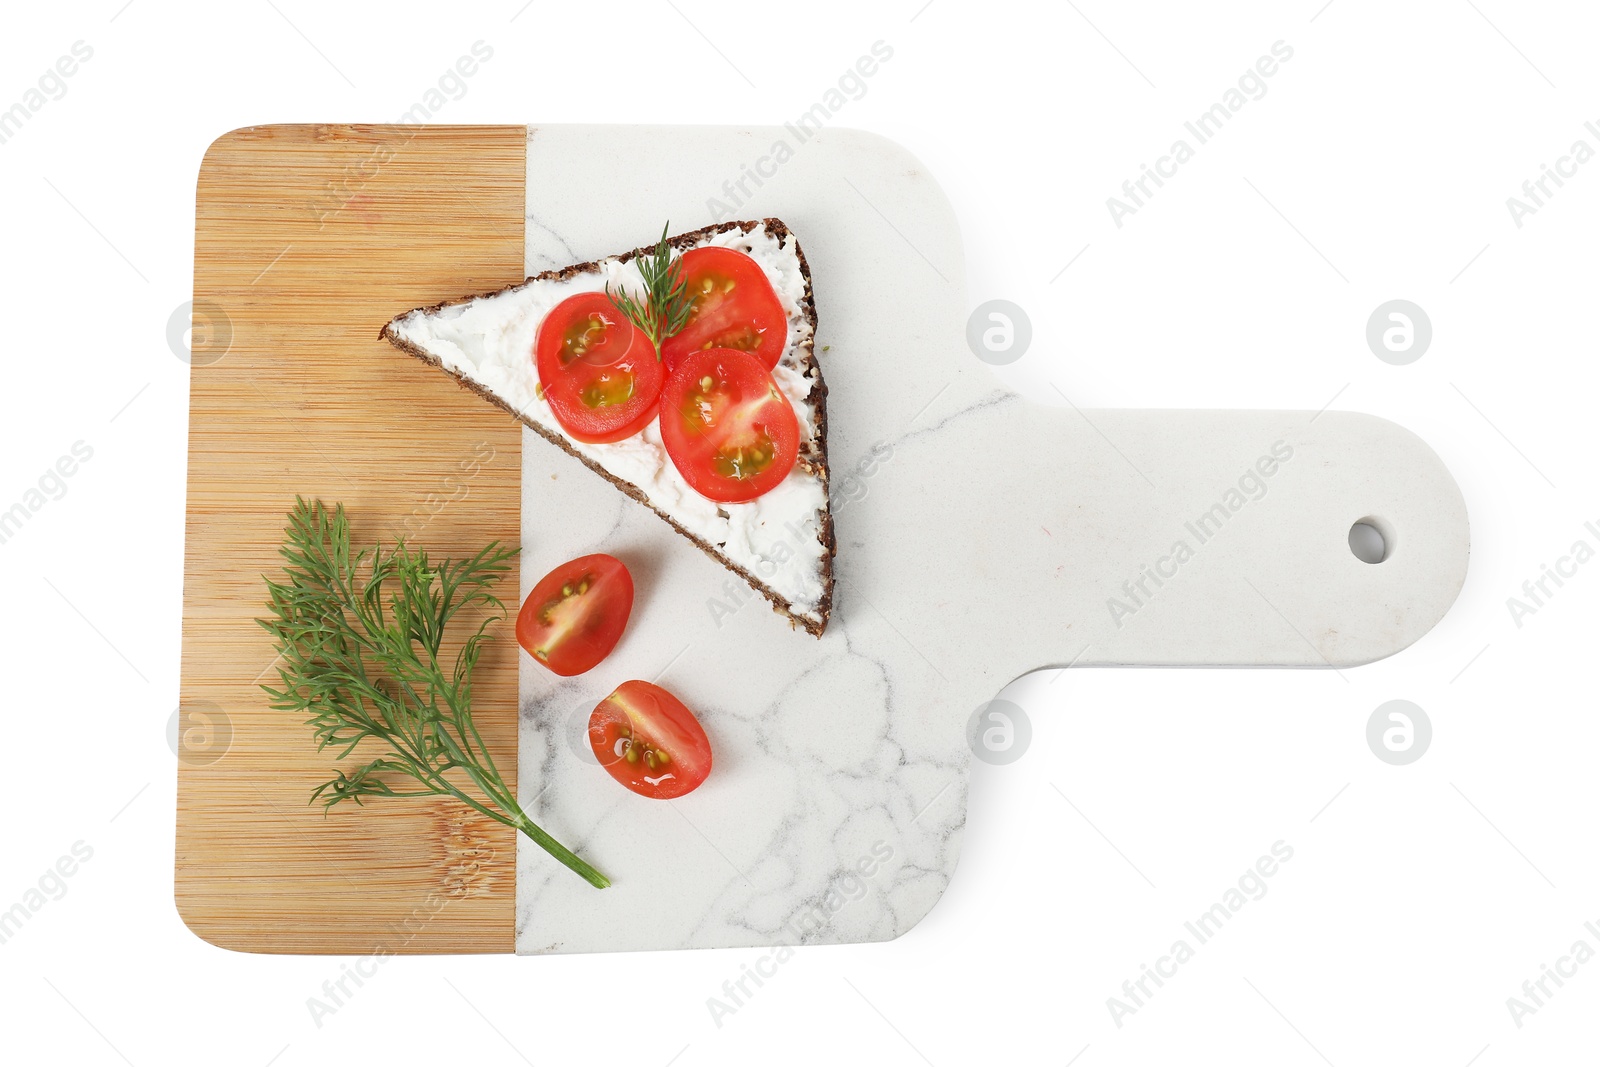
(575, 615)
(650, 742)
(728, 428)
(734, 306)
(599, 374)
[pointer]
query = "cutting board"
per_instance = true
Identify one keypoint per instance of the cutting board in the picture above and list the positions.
(981, 537)
(304, 247)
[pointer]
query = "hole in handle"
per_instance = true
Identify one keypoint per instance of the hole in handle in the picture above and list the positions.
(1371, 541)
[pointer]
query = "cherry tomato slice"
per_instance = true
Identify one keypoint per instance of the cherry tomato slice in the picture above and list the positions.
(599, 374)
(650, 742)
(727, 426)
(734, 306)
(576, 613)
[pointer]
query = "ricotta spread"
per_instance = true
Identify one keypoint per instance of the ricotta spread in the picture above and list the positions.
(489, 340)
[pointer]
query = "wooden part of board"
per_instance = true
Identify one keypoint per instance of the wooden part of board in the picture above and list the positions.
(307, 240)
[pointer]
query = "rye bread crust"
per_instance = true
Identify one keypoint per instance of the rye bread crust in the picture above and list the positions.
(814, 457)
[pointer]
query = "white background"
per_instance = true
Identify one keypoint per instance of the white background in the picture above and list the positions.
(1377, 166)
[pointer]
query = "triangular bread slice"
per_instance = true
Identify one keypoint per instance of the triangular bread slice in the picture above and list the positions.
(781, 543)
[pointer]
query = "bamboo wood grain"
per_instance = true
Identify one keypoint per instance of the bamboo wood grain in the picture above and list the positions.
(307, 240)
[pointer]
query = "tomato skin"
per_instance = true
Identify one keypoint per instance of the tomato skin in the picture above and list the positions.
(727, 426)
(635, 727)
(735, 306)
(599, 375)
(575, 615)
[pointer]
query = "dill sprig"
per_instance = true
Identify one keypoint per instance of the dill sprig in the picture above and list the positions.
(666, 305)
(360, 637)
